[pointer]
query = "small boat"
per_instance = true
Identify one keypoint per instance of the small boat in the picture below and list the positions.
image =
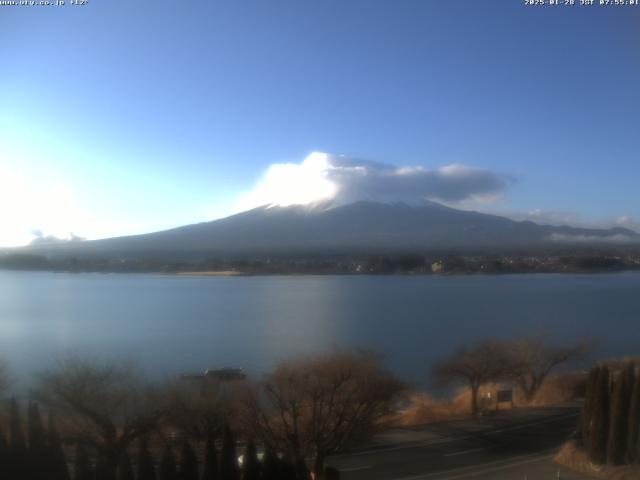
(219, 374)
(225, 373)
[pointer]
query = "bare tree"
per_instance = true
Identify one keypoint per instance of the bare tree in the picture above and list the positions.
(532, 360)
(105, 406)
(475, 365)
(196, 413)
(316, 406)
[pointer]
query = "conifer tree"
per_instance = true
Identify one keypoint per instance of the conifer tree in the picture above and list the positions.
(56, 462)
(287, 471)
(631, 376)
(4, 456)
(634, 423)
(168, 470)
(35, 429)
(270, 465)
(37, 463)
(210, 470)
(146, 467)
(18, 460)
(250, 462)
(331, 473)
(104, 471)
(82, 468)
(587, 407)
(600, 418)
(188, 462)
(301, 471)
(618, 428)
(125, 470)
(229, 469)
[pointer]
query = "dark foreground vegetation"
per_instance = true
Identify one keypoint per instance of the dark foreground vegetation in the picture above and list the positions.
(105, 422)
(610, 416)
(607, 440)
(572, 261)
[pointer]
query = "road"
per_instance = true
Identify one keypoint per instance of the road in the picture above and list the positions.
(516, 444)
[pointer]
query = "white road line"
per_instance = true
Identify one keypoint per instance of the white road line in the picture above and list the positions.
(488, 467)
(375, 451)
(497, 469)
(464, 452)
(354, 469)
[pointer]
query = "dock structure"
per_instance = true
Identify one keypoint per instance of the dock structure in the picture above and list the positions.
(225, 374)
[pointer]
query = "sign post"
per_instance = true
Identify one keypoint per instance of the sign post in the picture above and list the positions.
(504, 396)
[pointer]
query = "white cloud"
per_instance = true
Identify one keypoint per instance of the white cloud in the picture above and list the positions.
(546, 217)
(37, 206)
(42, 239)
(617, 238)
(557, 218)
(323, 177)
(626, 221)
(292, 184)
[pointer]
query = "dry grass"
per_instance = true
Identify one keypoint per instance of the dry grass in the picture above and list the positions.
(423, 408)
(561, 388)
(573, 457)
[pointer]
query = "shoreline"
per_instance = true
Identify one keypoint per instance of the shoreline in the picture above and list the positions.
(209, 273)
(233, 273)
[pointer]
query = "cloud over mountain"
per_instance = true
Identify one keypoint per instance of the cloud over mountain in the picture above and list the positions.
(615, 238)
(343, 179)
(358, 180)
(41, 239)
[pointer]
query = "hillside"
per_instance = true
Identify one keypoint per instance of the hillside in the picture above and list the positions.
(356, 227)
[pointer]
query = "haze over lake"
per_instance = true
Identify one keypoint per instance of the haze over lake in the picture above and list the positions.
(172, 324)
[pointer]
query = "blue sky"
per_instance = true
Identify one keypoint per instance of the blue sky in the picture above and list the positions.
(122, 117)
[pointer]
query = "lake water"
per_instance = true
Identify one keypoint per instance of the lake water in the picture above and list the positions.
(171, 324)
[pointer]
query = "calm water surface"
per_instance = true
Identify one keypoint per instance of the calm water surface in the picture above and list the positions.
(171, 324)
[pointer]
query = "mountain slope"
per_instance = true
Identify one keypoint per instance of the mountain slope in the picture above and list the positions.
(360, 226)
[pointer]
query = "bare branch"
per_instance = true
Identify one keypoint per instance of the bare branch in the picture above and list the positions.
(316, 406)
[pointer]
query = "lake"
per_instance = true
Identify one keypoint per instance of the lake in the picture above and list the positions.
(171, 324)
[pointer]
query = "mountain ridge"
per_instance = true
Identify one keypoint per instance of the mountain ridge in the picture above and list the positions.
(358, 226)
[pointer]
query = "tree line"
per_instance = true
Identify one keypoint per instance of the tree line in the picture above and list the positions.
(525, 363)
(347, 263)
(40, 455)
(112, 425)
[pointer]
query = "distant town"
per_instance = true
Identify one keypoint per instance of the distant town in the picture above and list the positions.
(576, 261)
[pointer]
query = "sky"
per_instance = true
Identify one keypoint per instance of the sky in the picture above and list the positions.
(121, 117)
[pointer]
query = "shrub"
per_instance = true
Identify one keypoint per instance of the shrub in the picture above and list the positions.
(210, 470)
(616, 446)
(634, 422)
(600, 418)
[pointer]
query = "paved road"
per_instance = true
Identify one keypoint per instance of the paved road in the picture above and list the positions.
(510, 445)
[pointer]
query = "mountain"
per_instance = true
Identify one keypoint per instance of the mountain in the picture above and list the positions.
(356, 227)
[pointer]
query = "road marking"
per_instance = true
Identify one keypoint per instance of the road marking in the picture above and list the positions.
(497, 469)
(452, 439)
(463, 452)
(487, 467)
(354, 469)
